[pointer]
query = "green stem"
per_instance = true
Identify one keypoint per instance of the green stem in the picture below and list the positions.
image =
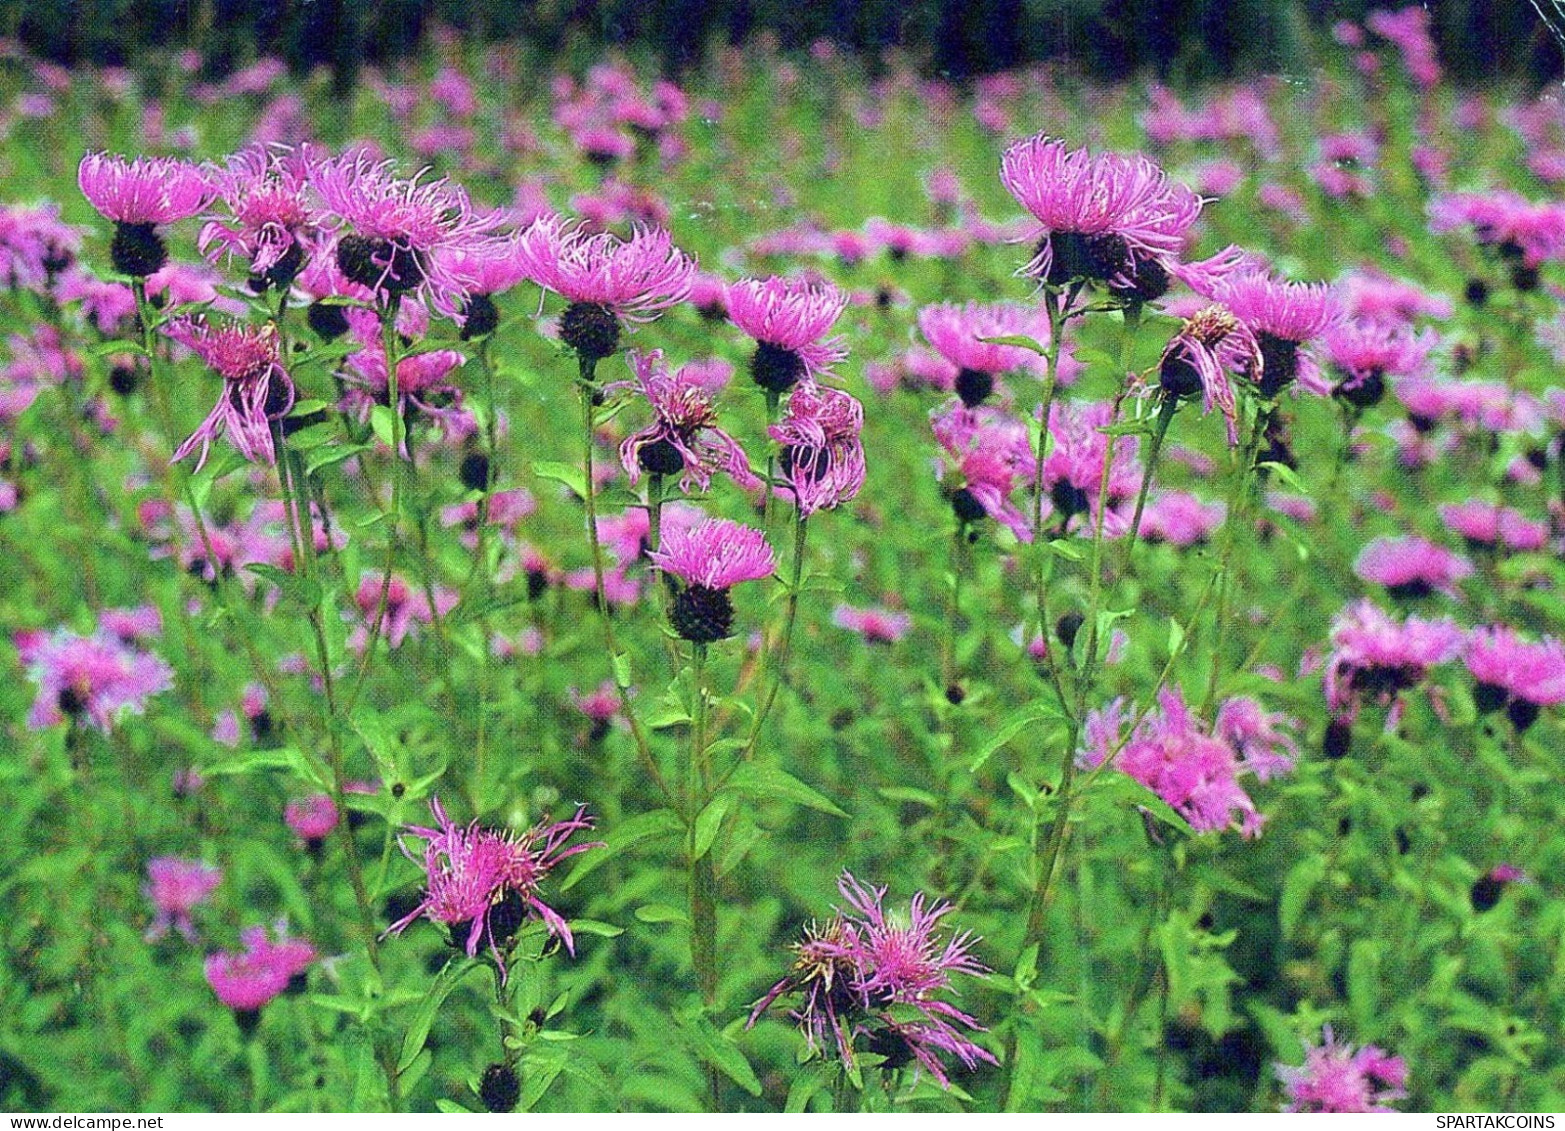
(703, 878)
(1238, 513)
(587, 387)
(953, 608)
(1165, 417)
(779, 659)
(1041, 564)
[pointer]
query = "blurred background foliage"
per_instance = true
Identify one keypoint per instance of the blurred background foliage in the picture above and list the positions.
(1178, 40)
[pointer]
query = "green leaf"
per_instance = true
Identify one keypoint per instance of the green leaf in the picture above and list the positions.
(307, 408)
(710, 821)
(643, 826)
(304, 591)
(383, 424)
(118, 345)
(540, 1067)
(1300, 883)
(1020, 341)
(424, 1016)
(621, 665)
(1017, 722)
(765, 782)
(661, 913)
(566, 473)
(597, 928)
(1286, 474)
(718, 1050)
(1064, 548)
(329, 455)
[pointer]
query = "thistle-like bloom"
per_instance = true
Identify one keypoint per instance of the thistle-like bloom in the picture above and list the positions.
(397, 234)
(1520, 675)
(1337, 1078)
(256, 388)
(1365, 354)
(822, 456)
(1285, 318)
(312, 817)
(789, 320)
(990, 452)
(1375, 658)
(1196, 772)
(1210, 345)
(248, 980)
(711, 557)
(176, 887)
(956, 333)
(1411, 567)
(1180, 519)
(875, 624)
(683, 438)
(1486, 526)
(604, 278)
(1073, 469)
(138, 196)
(491, 267)
(94, 677)
(272, 220)
(864, 966)
(484, 884)
(1110, 219)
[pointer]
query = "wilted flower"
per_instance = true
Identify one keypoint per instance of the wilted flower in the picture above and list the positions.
(683, 438)
(822, 456)
(1211, 344)
(256, 388)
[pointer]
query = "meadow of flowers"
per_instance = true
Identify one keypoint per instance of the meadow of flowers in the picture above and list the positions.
(530, 590)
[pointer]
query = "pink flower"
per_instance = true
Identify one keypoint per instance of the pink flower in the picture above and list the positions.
(711, 557)
(822, 455)
(604, 278)
(1110, 219)
(1365, 354)
(247, 981)
(1073, 469)
(146, 191)
(877, 625)
(873, 975)
(1285, 318)
(96, 677)
(1336, 1078)
(789, 320)
(1180, 519)
(990, 452)
(683, 438)
(404, 607)
(484, 884)
(1411, 567)
(312, 817)
(397, 235)
(1520, 675)
(1487, 526)
(256, 388)
(1375, 658)
(1210, 345)
(956, 332)
(176, 887)
(272, 222)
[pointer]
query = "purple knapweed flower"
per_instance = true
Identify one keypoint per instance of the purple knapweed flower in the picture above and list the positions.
(789, 320)
(1411, 567)
(176, 887)
(1366, 354)
(1520, 675)
(1337, 1078)
(1073, 469)
(248, 980)
(1211, 344)
(312, 817)
(483, 884)
(877, 625)
(1180, 519)
(604, 278)
(94, 677)
(875, 975)
(1285, 317)
(990, 452)
(957, 331)
(1487, 526)
(683, 438)
(1375, 658)
(821, 455)
(1110, 219)
(711, 557)
(138, 196)
(257, 390)
(272, 219)
(396, 234)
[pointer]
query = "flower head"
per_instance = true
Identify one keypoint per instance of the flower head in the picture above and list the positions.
(1073, 469)
(711, 557)
(1285, 317)
(396, 234)
(1110, 219)
(789, 320)
(1337, 1078)
(272, 219)
(248, 980)
(1411, 567)
(176, 887)
(875, 624)
(957, 333)
(604, 278)
(1210, 345)
(256, 387)
(1375, 658)
(1365, 354)
(990, 452)
(822, 456)
(1520, 675)
(683, 438)
(311, 817)
(873, 975)
(483, 884)
(148, 190)
(97, 677)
